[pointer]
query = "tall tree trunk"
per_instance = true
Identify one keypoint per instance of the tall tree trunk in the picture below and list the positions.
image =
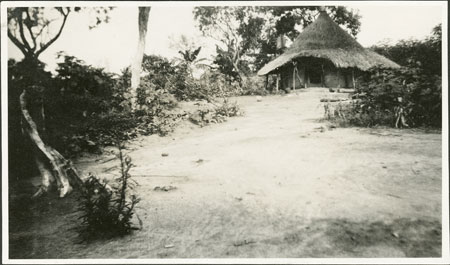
(235, 61)
(62, 171)
(137, 62)
(242, 80)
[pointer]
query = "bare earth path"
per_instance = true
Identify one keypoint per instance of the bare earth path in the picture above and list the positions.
(275, 183)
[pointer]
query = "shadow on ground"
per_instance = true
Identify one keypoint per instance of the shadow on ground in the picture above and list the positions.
(45, 229)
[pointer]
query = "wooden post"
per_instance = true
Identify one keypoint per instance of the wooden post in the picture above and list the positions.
(353, 78)
(298, 76)
(278, 81)
(339, 77)
(322, 77)
(293, 76)
(306, 77)
(266, 83)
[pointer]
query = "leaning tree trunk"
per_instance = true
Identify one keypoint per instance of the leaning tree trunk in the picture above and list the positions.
(51, 164)
(137, 62)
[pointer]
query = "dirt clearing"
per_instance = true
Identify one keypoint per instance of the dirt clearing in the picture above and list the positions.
(275, 183)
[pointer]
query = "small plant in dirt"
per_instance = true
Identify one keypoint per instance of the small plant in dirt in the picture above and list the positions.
(228, 109)
(107, 208)
(215, 113)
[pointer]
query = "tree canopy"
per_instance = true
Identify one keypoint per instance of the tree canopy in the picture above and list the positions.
(246, 36)
(34, 29)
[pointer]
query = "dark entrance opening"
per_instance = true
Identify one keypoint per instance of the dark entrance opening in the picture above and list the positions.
(315, 77)
(314, 71)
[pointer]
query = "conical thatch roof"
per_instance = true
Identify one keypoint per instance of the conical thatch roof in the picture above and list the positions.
(325, 39)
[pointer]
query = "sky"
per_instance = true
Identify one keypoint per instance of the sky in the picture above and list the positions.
(112, 45)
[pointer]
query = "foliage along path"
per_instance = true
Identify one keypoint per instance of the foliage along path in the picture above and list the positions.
(275, 183)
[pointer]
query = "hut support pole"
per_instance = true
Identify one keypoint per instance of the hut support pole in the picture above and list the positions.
(322, 77)
(278, 82)
(266, 83)
(353, 78)
(293, 75)
(339, 78)
(298, 76)
(306, 77)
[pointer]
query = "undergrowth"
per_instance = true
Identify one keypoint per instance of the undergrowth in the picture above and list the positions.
(400, 98)
(107, 208)
(215, 113)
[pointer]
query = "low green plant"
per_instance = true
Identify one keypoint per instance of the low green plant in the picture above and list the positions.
(228, 109)
(107, 208)
(215, 113)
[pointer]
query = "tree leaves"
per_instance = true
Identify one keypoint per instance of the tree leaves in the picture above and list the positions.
(423, 54)
(248, 34)
(38, 24)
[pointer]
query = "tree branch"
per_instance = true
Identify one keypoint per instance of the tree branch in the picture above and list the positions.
(57, 35)
(30, 31)
(43, 27)
(17, 43)
(22, 35)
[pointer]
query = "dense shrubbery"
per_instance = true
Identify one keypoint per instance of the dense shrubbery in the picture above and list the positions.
(84, 108)
(254, 85)
(80, 107)
(156, 114)
(107, 207)
(178, 80)
(406, 97)
(216, 84)
(423, 54)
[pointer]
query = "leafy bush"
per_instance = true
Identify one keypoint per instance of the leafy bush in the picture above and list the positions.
(353, 114)
(80, 107)
(405, 97)
(212, 113)
(177, 79)
(254, 85)
(86, 107)
(107, 208)
(228, 109)
(158, 70)
(157, 111)
(423, 54)
(226, 67)
(154, 102)
(215, 84)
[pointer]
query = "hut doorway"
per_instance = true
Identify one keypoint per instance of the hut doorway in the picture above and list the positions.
(315, 75)
(315, 78)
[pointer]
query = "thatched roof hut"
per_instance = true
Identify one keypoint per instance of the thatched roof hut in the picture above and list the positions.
(325, 40)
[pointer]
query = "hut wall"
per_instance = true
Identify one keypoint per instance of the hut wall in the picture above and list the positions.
(287, 77)
(332, 77)
(302, 76)
(335, 78)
